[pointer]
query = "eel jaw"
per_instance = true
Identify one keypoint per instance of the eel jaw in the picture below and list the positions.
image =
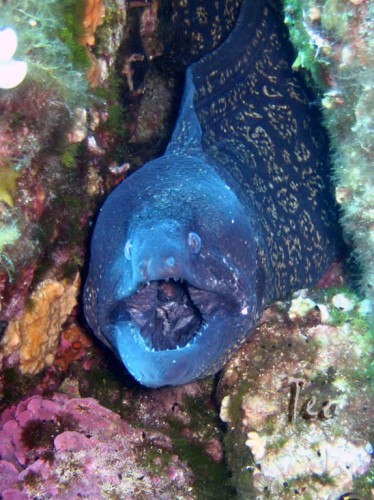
(169, 313)
(168, 331)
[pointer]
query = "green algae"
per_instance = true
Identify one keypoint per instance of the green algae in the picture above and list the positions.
(104, 386)
(363, 486)
(69, 157)
(71, 31)
(17, 386)
(211, 478)
(48, 40)
(154, 458)
(241, 463)
(236, 400)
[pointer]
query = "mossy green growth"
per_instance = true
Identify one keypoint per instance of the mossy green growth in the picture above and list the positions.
(110, 97)
(211, 478)
(236, 400)
(103, 386)
(278, 444)
(71, 31)
(17, 386)
(115, 118)
(69, 157)
(48, 34)
(242, 464)
(363, 486)
(324, 479)
(202, 417)
(154, 458)
(362, 338)
(312, 49)
(359, 321)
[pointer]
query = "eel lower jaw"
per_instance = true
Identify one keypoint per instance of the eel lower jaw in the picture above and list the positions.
(169, 367)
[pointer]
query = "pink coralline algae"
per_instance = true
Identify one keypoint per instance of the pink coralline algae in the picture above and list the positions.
(65, 448)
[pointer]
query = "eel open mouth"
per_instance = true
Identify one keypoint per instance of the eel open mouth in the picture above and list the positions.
(170, 313)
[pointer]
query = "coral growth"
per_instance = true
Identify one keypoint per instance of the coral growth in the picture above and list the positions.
(94, 13)
(297, 402)
(59, 147)
(334, 41)
(34, 337)
(34, 120)
(66, 448)
(66, 138)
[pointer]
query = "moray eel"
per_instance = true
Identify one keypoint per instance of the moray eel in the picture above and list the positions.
(189, 249)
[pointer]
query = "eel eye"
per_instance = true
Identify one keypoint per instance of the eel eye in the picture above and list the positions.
(128, 250)
(194, 242)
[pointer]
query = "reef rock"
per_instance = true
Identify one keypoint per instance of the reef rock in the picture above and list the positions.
(296, 399)
(65, 448)
(333, 41)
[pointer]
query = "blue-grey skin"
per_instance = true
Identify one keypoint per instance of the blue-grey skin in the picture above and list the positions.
(189, 249)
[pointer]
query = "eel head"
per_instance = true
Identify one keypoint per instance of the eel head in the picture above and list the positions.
(174, 288)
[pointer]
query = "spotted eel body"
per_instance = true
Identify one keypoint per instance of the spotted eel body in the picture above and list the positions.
(188, 251)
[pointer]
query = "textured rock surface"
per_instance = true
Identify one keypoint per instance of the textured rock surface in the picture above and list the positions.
(92, 107)
(61, 447)
(333, 40)
(185, 416)
(297, 402)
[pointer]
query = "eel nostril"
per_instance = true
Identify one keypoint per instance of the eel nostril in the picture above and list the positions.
(170, 262)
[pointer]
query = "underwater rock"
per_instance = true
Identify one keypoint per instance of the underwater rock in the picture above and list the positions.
(188, 416)
(333, 41)
(34, 119)
(45, 193)
(35, 335)
(296, 399)
(49, 193)
(64, 448)
(74, 345)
